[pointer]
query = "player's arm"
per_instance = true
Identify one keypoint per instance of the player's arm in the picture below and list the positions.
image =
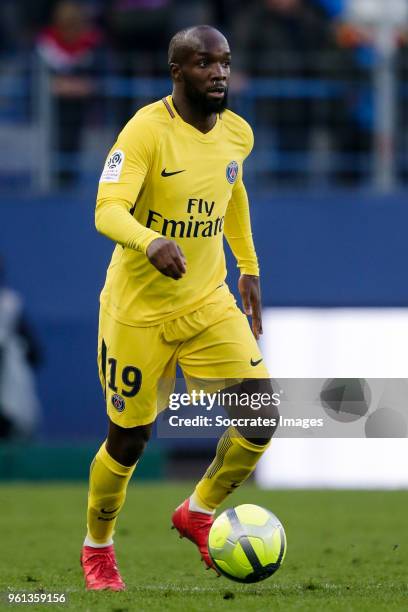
(237, 230)
(125, 171)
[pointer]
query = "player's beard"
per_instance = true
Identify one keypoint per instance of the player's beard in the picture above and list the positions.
(200, 100)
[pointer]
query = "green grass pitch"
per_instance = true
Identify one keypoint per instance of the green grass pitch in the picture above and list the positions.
(347, 550)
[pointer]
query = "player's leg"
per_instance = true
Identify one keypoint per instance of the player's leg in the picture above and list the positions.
(239, 448)
(110, 473)
(226, 349)
(235, 459)
(129, 378)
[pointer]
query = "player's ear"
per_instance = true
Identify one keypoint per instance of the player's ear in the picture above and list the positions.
(175, 72)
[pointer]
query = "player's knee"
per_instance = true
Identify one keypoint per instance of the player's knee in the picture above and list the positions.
(136, 443)
(127, 445)
(257, 408)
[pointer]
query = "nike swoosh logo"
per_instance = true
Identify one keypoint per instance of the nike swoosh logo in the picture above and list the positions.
(255, 363)
(164, 173)
(109, 511)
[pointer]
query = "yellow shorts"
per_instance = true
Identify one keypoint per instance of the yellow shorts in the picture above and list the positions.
(137, 365)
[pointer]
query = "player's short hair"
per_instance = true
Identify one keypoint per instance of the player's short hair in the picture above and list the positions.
(183, 41)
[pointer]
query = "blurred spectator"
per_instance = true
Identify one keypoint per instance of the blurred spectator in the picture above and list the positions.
(282, 39)
(139, 29)
(69, 49)
(222, 13)
(139, 32)
(186, 13)
(356, 30)
(19, 354)
(352, 124)
(34, 15)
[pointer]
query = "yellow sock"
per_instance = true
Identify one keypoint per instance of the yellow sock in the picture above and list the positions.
(108, 481)
(234, 461)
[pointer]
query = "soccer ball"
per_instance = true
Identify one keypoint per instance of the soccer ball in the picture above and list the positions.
(247, 543)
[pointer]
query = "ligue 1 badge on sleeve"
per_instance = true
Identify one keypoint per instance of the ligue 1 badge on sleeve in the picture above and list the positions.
(232, 172)
(113, 167)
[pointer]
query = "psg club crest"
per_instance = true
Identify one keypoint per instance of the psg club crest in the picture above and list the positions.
(232, 172)
(118, 402)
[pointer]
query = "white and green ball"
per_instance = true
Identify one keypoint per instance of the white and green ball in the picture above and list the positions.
(247, 543)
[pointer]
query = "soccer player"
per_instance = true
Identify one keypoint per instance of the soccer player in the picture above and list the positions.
(170, 190)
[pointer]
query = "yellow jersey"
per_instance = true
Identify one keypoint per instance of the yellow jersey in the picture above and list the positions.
(163, 177)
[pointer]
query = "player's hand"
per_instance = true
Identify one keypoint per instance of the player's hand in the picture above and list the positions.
(250, 290)
(167, 257)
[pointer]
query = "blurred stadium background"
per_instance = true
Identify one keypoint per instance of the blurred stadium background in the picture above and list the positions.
(324, 83)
